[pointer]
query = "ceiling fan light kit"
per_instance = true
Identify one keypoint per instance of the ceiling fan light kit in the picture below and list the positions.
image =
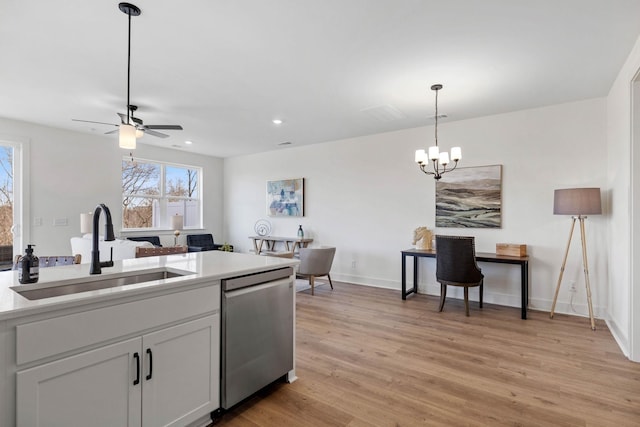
(127, 137)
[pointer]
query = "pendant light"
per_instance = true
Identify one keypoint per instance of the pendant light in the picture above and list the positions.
(127, 133)
(439, 161)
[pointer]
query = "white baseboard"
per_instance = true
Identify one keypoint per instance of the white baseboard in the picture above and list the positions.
(620, 337)
(489, 297)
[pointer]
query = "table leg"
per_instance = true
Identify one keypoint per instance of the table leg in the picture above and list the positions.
(524, 280)
(404, 276)
(415, 275)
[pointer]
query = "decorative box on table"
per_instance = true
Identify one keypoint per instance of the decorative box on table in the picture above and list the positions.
(511, 249)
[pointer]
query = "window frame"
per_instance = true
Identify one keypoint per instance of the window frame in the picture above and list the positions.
(162, 197)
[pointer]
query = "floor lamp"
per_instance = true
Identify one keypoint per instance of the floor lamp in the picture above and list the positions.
(577, 202)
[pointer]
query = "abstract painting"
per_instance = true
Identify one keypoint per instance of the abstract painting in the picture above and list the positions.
(470, 198)
(285, 197)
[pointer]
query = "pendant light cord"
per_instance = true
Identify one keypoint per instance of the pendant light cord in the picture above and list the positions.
(437, 90)
(129, 71)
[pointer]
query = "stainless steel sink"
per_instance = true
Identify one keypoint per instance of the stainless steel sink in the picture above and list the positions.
(68, 287)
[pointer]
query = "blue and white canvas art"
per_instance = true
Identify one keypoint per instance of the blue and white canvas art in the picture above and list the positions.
(285, 197)
(470, 198)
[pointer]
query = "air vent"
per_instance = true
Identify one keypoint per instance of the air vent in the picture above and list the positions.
(285, 143)
(384, 113)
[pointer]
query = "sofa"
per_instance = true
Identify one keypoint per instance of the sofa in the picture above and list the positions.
(122, 249)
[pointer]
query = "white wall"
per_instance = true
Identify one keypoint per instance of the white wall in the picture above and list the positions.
(72, 172)
(623, 160)
(366, 195)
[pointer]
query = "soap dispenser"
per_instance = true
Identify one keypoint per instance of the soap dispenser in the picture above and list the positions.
(30, 270)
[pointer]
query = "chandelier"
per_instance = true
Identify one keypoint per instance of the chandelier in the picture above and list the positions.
(439, 161)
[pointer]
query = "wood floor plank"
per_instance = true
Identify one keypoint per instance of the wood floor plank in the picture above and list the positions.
(367, 358)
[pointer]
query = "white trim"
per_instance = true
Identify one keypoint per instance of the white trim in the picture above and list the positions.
(21, 204)
(634, 221)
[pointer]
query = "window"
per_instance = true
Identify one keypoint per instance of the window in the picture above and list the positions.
(152, 192)
(6, 206)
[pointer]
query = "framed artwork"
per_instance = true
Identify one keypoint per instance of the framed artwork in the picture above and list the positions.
(470, 198)
(285, 197)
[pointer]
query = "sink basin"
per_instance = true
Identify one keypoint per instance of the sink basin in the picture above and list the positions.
(94, 283)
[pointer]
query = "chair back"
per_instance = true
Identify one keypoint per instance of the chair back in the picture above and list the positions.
(142, 252)
(50, 261)
(203, 240)
(316, 261)
(154, 240)
(456, 260)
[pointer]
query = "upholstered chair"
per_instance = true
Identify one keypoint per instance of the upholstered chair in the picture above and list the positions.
(456, 266)
(316, 262)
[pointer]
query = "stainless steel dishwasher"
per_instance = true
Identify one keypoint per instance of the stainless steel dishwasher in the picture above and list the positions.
(257, 332)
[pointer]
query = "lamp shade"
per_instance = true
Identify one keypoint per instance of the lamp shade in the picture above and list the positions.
(577, 201)
(127, 137)
(86, 223)
(177, 222)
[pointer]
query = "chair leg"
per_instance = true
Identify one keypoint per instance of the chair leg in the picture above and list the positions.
(466, 300)
(330, 283)
(443, 295)
(481, 291)
(311, 283)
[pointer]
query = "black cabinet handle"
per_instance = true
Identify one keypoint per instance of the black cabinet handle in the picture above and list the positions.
(137, 357)
(150, 364)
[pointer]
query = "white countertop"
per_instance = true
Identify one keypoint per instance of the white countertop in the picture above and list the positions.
(213, 265)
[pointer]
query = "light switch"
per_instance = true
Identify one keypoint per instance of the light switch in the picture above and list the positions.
(37, 222)
(60, 222)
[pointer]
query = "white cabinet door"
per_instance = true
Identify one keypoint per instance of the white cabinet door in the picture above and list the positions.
(94, 388)
(181, 375)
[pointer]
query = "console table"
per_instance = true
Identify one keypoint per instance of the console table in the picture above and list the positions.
(290, 243)
(522, 261)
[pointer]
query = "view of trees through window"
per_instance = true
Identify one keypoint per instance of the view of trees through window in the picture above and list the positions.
(152, 192)
(6, 195)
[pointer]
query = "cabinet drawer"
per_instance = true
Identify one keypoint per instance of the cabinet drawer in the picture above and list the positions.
(49, 337)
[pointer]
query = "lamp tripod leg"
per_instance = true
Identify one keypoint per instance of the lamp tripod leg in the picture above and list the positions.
(586, 272)
(564, 263)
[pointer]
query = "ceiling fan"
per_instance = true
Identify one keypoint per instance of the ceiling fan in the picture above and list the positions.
(130, 127)
(138, 123)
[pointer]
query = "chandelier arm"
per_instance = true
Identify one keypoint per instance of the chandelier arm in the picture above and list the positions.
(422, 165)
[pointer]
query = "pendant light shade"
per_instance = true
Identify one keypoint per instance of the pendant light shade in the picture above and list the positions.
(127, 137)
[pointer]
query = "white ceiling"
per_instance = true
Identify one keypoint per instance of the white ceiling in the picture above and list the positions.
(223, 69)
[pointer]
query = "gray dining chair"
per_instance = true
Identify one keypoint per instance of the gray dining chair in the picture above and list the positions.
(316, 262)
(456, 266)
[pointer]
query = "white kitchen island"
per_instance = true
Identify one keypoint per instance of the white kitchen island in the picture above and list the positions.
(137, 354)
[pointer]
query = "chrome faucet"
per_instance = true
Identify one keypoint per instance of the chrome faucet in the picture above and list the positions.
(96, 265)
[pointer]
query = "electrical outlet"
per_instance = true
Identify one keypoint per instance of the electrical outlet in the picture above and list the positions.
(353, 264)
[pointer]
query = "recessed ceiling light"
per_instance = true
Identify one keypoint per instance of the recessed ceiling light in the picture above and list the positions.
(277, 121)
(188, 142)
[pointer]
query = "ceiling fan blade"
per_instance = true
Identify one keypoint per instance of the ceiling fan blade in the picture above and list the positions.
(89, 121)
(154, 133)
(136, 120)
(112, 132)
(165, 127)
(123, 118)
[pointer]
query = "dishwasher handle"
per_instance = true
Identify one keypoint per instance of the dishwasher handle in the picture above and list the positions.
(244, 291)
(256, 278)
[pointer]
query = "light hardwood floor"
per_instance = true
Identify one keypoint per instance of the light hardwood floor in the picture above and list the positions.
(367, 358)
